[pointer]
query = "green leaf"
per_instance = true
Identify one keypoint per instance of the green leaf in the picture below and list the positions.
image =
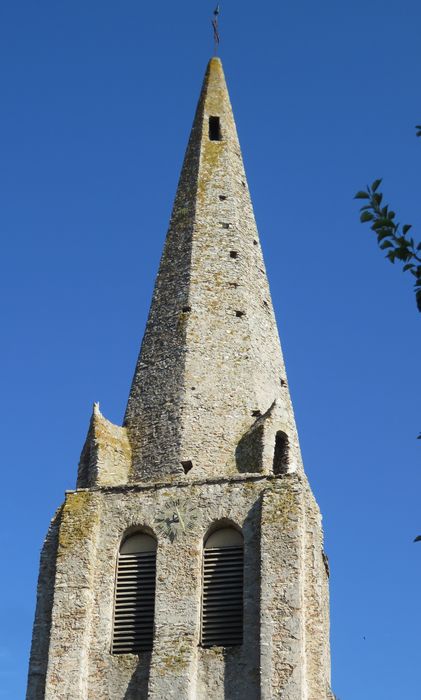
(366, 216)
(391, 215)
(391, 256)
(376, 183)
(386, 244)
(419, 246)
(408, 266)
(406, 228)
(378, 198)
(383, 223)
(362, 195)
(402, 254)
(382, 235)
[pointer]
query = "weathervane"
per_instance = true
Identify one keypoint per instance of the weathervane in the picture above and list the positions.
(215, 28)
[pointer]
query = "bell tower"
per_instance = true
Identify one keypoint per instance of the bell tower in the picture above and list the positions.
(188, 563)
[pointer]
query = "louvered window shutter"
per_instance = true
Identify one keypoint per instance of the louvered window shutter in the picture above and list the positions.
(135, 595)
(222, 598)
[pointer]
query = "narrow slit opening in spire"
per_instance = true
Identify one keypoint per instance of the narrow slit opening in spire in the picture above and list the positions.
(281, 454)
(215, 129)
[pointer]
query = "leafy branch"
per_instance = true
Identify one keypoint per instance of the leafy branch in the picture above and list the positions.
(391, 236)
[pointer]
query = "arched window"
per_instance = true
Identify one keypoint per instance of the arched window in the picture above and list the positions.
(134, 595)
(281, 454)
(222, 596)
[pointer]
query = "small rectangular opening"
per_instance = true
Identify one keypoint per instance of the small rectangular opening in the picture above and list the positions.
(214, 129)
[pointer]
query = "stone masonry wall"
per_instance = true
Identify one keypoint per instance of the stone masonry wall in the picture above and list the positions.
(273, 514)
(106, 455)
(42, 624)
(210, 361)
(208, 402)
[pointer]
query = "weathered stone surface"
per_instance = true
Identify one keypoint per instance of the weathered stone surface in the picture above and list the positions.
(211, 355)
(42, 624)
(208, 403)
(106, 456)
(278, 517)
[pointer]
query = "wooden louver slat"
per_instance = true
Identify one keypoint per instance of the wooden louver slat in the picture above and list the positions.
(134, 603)
(222, 603)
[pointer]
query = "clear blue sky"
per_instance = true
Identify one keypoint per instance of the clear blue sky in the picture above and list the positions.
(97, 100)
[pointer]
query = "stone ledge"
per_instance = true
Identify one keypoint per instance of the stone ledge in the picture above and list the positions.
(237, 478)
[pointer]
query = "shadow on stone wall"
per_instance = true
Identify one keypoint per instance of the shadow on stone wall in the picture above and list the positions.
(242, 664)
(139, 682)
(249, 451)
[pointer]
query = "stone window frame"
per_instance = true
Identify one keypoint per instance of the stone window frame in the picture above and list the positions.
(229, 568)
(130, 534)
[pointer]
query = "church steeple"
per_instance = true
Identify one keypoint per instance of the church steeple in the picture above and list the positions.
(189, 563)
(209, 390)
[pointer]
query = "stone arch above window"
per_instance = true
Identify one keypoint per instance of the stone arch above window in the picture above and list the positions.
(134, 600)
(138, 542)
(222, 588)
(224, 537)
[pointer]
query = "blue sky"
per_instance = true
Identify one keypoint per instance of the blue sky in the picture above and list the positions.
(97, 101)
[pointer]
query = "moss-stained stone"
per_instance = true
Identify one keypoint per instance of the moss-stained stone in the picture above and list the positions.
(79, 517)
(282, 503)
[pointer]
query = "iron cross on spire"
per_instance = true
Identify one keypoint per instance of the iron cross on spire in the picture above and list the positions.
(215, 28)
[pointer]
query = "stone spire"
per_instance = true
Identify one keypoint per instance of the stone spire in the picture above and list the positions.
(209, 440)
(209, 394)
